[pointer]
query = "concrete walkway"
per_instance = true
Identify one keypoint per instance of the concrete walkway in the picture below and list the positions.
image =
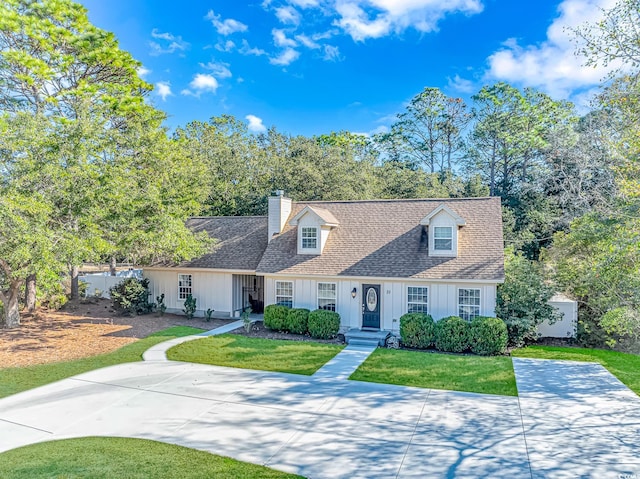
(579, 420)
(344, 363)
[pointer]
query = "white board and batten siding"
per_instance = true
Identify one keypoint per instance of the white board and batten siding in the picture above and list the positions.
(566, 326)
(443, 298)
(211, 289)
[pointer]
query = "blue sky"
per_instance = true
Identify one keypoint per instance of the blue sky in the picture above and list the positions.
(314, 66)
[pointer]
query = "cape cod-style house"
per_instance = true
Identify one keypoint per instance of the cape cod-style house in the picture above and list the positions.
(371, 260)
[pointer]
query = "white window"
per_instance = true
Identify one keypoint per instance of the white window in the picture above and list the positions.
(327, 296)
(284, 293)
(309, 238)
(184, 286)
(417, 299)
(468, 303)
(443, 238)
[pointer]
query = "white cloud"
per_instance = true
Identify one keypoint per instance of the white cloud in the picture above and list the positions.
(227, 26)
(364, 19)
(163, 89)
(255, 124)
(285, 58)
(172, 43)
(288, 15)
(201, 83)
(305, 3)
(219, 69)
(245, 49)
(281, 40)
(552, 65)
(307, 42)
(142, 71)
(227, 46)
(462, 85)
(331, 53)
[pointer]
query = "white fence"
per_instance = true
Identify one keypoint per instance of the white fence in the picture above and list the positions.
(98, 284)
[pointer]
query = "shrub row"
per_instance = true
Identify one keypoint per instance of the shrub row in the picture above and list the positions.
(319, 324)
(483, 335)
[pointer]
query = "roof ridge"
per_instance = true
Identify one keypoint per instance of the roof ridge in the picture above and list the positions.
(398, 200)
(223, 216)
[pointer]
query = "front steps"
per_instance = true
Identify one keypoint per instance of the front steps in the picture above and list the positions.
(358, 337)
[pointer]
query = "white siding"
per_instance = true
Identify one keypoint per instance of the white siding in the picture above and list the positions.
(443, 219)
(443, 298)
(211, 290)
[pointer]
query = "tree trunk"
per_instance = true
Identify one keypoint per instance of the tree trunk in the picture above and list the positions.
(112, 266)
(74, 283)
(11, 310)
(30, 293)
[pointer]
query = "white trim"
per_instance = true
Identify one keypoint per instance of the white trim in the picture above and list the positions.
(199, 270)
(479, 301)
(335, 286)
(459, 220)
(307, 250)
(361, 279)
(275, 291)
(406, 296)
(190, 285)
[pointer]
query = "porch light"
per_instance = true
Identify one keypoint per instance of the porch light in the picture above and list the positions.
(353, 293)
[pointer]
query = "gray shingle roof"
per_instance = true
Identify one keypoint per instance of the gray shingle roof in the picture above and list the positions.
(383, 238)
(240, 246)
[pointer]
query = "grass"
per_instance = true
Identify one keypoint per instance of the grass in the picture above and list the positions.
(297, 357)
(15, 380)
(626, 367)
(111, 457)
(478, 374)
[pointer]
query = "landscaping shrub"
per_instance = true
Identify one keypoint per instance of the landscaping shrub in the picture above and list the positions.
(323, 324)
(520, 331)
(190, 307)
(417, 330)
(487, 336)
(131, 296)
(275, 317)
(452, 334)
(297, 321)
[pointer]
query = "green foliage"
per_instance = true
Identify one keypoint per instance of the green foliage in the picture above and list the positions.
(160, 304)
(452, 334)
(297, 321)
(275, 317)
(189, 306)
(208, 314)
(246, 319)
(523, 299)
(417, 330)
(131, 296)
(622, 326)
(487, 336)
(324, 324)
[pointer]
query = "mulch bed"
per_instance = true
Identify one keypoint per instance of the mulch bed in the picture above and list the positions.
(259, 331)
(82, 329)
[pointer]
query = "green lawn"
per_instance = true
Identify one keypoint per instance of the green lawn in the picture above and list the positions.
(111, 457)
(478, 374)
(15, 380)
(297, 357)
(626, 367)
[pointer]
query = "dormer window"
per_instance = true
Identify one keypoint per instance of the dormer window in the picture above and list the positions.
(309, 236)
(443, 238)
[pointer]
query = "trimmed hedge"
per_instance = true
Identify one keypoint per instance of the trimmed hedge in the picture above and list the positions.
(417, 330)
(297, 321)
(275, 317)
(452, 334)
(488, 336)
(323, 324)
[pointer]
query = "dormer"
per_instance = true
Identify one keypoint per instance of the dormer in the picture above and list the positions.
(314, 225)
(443, 224)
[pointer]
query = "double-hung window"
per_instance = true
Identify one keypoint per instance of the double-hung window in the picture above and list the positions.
(284, 293)
(327, 296)
(468, 303)
(309, 237)
(184, 286)
(417, 299)
(443, 238)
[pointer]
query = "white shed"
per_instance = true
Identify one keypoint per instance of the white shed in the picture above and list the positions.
(566, 326)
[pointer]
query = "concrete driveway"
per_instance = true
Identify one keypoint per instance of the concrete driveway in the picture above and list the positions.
(324, 428)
